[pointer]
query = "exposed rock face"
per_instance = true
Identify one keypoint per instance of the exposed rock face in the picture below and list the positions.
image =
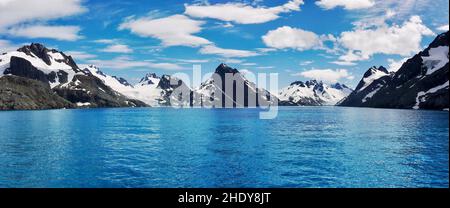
(312, 93)
(23, 68)
(421, 83)
(229, 88)
(18, 93)
(122, 81)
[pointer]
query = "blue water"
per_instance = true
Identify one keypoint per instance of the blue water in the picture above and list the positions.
(165, 147)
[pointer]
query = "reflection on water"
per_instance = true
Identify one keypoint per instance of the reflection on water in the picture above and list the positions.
(164, 147)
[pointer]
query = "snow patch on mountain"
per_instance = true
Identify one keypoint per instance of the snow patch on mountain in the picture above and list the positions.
(422, 96)
(147, 90)
(437, 59)
(370, 95)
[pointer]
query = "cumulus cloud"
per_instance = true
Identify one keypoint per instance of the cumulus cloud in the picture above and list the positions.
(15, 13)
(346, 4)
(326, 75)
(443, 28)
(68, 33)
(228, 53)
(125, 62)
(401, 40)
(241, 13)
(117, 48)
(291, 38)
(176, 30)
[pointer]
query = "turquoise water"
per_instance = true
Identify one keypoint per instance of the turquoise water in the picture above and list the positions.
(165, 147)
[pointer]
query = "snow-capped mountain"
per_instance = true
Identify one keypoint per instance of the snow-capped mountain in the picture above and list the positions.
(313, 93)
(373, 80)
(212, 92)
(37, 62)
(421, 82)
(372, 75)
(61, 75)
(157, 91)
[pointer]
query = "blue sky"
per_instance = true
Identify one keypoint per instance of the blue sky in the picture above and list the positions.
(330, 40)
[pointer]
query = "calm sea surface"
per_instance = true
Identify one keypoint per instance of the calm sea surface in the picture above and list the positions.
(165, 147)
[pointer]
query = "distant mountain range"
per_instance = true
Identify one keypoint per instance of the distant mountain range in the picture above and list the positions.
(35, 77)
(313, 93)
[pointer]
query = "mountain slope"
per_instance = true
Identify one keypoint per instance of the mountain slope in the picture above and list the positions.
(229, 88)
(312, 93)
(421, 82)
(373, 80)
(18, 93)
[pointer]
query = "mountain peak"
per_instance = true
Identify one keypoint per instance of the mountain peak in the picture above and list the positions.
(40, 51)
(147, 79)
(339, 86)
(37, 49)
(300, 83)
(374, 70)
(223, 69)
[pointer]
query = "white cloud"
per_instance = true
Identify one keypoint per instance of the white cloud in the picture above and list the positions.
(287, 37)
(394, 65)
(176, 30)
(105, 41)
(266, 50)
(14, 14)
(401, 40)
(7, 46)
(346, 4)
(231, 61)
(241, 13)
(443, 28)
(117, 48)
(343, 63)
(228, 53)
(264, 67)
(80, 55)
(400, 11)
(305, 63)
(68, 33)
(326, 75)
(125, 62)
